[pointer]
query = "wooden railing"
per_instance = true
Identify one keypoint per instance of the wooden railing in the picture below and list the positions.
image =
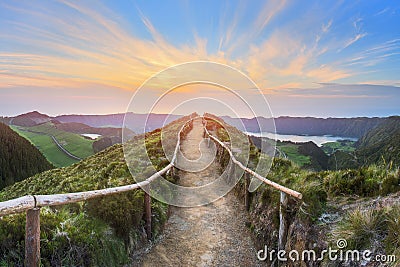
(31, 205)
(283, 225)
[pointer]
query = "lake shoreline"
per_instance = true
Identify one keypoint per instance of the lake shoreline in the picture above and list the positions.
(319, 140)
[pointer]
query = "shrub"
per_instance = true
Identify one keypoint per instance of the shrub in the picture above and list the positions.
(392, 241)
(361, 228)
(122, 211)
(390, 184)
(351, 182)
(67, 239)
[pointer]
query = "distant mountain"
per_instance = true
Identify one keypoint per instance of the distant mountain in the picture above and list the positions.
(80, 128)
(134, 122)
(111, 120)
(381, 144)
(19, 159)
(29, 119)
(345, 127)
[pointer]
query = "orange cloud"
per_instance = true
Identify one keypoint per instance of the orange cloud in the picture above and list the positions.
(92, 46)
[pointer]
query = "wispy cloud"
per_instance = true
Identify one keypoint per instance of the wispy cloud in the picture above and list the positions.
(354, 39)
(93, 48)
(90, 44)
(383, 11)
(270, 9)
(359, 34)
(326, 27)
(267, 13)
(376, 54)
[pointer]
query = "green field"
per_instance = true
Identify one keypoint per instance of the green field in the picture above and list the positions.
(343, 145)
(292, 152)
(40, 136)
(74, 143)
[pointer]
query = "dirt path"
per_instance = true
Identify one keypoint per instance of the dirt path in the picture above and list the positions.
(211, 235)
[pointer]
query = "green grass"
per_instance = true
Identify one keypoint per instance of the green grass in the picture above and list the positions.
(98, 232)
(361, 228)
(343, 145)
(292, 152)
(40, 137)
(74, 143)
(47, 147)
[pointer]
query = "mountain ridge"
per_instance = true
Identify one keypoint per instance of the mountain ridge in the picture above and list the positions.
(346, 127)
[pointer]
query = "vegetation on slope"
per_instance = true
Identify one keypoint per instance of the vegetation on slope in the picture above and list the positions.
(47, 147)
(100, 232)
(382, 143)
(291, 151)
(320, 191)
(19, 159)
(340, 145)
(41, 136)
(306, 155)
(74, 143)
(348, 127)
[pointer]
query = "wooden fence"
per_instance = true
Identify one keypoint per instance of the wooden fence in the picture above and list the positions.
(283, 225)
(31, 204)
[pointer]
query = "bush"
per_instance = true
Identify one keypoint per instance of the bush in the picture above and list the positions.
(67, 239)
(390, 184)
(361, 228)
(392, 241)
(351, 182)
(123, 212)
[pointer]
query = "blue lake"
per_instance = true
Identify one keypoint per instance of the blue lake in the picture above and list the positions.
(318, 140)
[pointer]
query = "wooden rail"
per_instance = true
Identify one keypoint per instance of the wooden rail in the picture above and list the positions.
(32, 204)
(283, 203)
(253, 173)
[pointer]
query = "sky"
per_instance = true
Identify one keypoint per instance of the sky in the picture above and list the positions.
(307, 58)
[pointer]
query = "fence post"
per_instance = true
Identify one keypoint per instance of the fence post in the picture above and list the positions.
(32, 237)
(246, 191)
(147, 212)
(283, 227)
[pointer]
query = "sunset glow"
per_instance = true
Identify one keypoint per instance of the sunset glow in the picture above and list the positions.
(309, 59)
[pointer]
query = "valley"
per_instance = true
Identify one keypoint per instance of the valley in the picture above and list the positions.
(334, 199)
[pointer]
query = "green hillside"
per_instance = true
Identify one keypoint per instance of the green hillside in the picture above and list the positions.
(40, 136)
(361, 205)
(306, 155)
(47, 147)
(19, 159)
(103, 232)
(74, 143)
(340, 145)
(381, 144)
(291, 151)
(100, 232)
